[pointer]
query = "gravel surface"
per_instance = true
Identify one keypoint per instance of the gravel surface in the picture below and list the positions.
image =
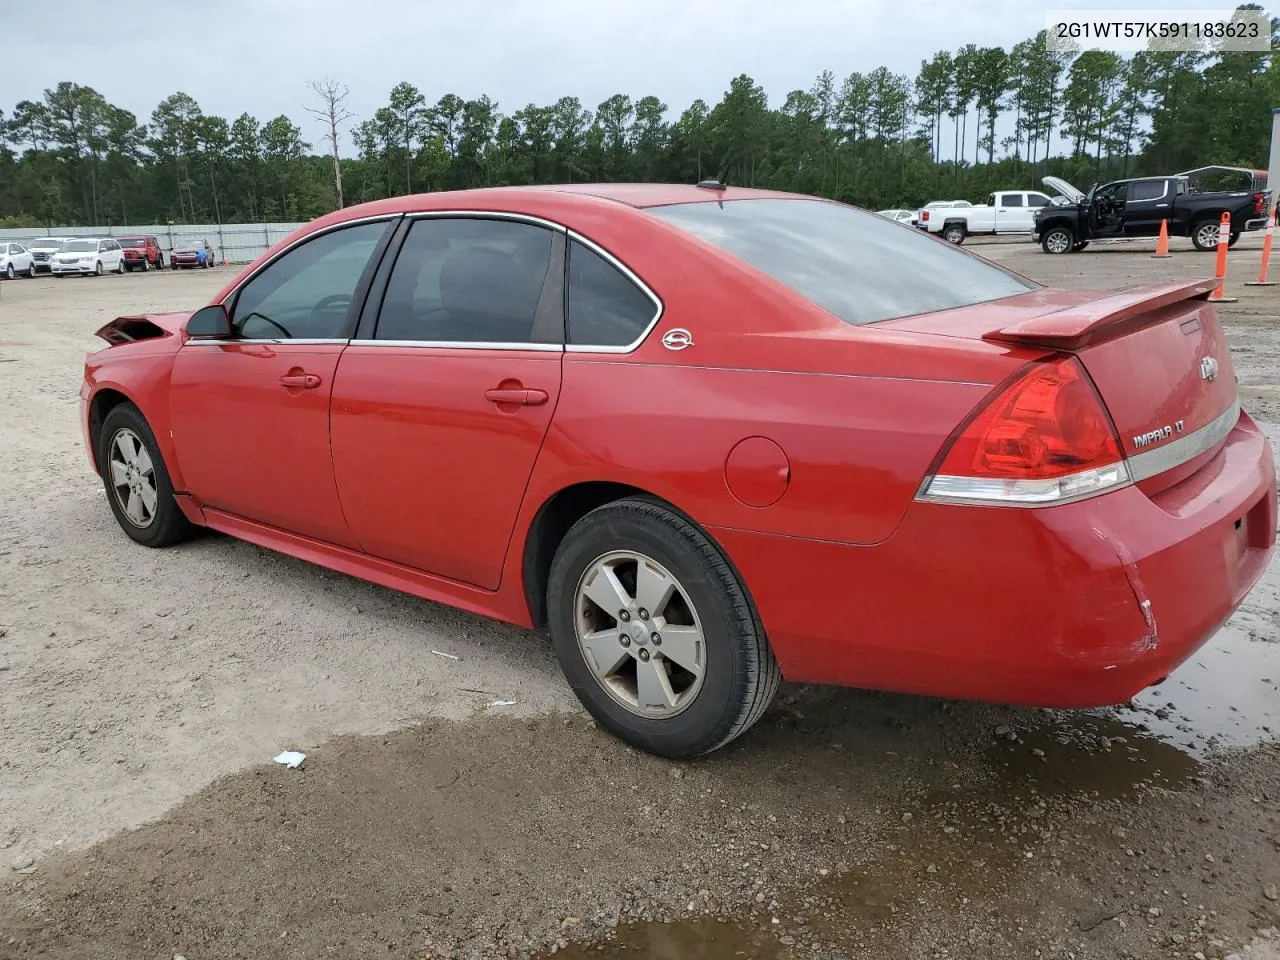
(149, 690)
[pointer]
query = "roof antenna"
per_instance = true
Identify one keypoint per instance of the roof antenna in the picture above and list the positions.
(712, 185)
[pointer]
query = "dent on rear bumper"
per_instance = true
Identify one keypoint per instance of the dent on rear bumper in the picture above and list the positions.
(1079, 605)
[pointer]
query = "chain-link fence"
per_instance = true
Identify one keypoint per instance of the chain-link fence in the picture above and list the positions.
(231, 242)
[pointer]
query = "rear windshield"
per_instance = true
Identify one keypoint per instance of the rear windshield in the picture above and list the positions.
(858, 266)
(133, 243)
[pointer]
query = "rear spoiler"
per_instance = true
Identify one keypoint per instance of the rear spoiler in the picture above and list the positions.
(1073, 327)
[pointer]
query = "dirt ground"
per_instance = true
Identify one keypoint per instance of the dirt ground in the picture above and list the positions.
(144, 693)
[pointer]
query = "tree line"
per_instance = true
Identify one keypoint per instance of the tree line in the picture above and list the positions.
(970, 121)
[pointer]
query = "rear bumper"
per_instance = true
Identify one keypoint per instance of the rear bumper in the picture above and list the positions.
(1080, 605)
(1258, 223)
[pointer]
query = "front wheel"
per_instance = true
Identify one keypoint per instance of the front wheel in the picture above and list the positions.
(31, 272)
(137, 483)
(1058, 240)
(655, 632)
(97, 269)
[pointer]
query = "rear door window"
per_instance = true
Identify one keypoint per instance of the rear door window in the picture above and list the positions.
(606, 307)
(857, 266)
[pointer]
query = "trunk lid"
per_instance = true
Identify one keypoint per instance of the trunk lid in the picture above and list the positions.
(1157, 354)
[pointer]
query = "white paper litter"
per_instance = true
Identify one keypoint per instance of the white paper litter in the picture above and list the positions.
(291, 758)
(449, 655)
(503, 703)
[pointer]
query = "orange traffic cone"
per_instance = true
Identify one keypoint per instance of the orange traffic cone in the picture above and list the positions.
(1224, 238)
(1162, 244)
(1262, 280)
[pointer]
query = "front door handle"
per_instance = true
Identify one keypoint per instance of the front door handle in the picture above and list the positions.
(520, 395)
(305, 381)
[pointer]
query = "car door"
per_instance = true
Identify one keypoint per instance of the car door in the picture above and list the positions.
(1012, 214)
(441, 404)
(1106, 214)
(250, 413)
(1148, 203)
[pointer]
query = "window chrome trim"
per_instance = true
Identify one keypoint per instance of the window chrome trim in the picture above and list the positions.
(460, 345)
(659, 306)
(1164, 189)
(1152, 463)
(240, 341)
(234, 291)
(487, 215)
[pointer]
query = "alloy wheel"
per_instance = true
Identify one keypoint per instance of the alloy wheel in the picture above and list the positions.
(133, 478)
(639, 634)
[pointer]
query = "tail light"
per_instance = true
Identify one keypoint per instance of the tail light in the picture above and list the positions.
(1259, 203)
(924, 215)
(1044, 439)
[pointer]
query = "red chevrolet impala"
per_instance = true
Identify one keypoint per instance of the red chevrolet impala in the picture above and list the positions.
(710, 437)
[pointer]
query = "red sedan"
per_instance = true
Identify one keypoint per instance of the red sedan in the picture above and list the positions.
(710, 437)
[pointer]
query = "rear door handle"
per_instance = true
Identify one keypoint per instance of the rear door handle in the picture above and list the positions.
(520, 395)
(306, 381)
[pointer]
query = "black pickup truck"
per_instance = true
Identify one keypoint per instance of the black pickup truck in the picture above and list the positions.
(1135, 208)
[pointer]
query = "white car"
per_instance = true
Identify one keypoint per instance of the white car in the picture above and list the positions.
(16, 259)
(88, 255)
(44, 249)
(1005, 212)
(901, 216)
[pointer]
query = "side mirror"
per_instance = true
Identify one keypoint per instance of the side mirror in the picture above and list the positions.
(209, 323)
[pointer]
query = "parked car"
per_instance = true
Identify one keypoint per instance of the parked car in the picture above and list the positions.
(901, 216)
(15, 259)
(142, 253)
(709, 437)
(922, 216)
(42, 252)
(192, 253)
(88, 255)
(1136, 208)
(1006, 212)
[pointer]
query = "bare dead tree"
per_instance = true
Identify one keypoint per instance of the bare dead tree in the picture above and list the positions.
(332, 110)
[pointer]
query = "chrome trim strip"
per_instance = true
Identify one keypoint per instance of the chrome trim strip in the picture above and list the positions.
(948, 488)
(1151, 463)
(460, 345)
(300, 240)
(486, 215)
(245, 341)
(627, 272)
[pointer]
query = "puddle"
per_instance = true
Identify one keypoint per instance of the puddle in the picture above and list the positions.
(697, 939)
(1227, 695)
(1083, 753)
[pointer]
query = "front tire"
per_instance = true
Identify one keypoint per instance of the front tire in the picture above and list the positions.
(137, 483)
(655, 632)
(1058, 240)
(97, 269)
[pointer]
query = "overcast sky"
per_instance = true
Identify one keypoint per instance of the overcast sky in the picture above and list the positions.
(234, 56)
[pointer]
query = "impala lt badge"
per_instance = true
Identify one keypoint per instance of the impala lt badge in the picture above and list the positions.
(677, 339)
(1159, 435)
(1208, 368)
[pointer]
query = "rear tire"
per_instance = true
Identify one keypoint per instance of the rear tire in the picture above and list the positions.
(1080, 246)
(1204, 235)
(954, 233)
(142, 498)
(9, 273)
(637, 545)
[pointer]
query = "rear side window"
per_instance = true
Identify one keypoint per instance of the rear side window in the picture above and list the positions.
(606, 309)
(1147, 190)
(1013, 199)
(465, 280)
(859, 267)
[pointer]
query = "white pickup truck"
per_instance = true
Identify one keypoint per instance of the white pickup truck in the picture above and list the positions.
(1005, 212)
